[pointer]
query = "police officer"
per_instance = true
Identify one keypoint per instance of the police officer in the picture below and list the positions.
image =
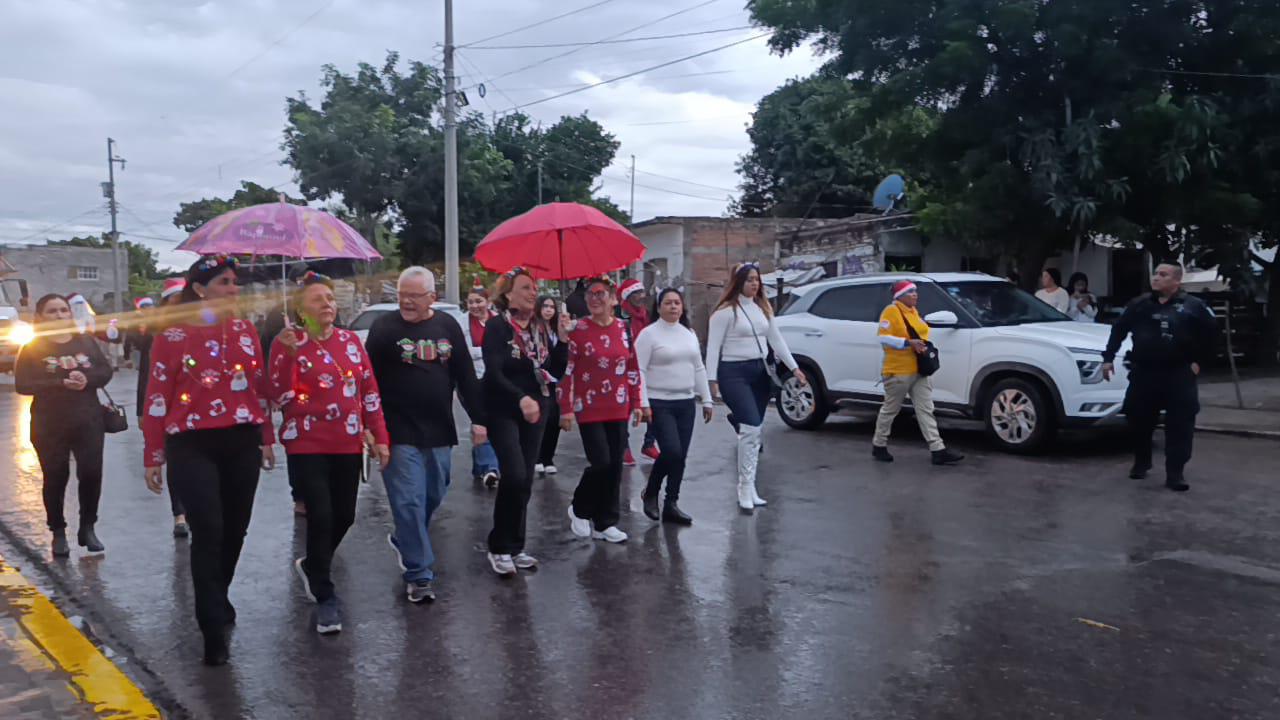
(1172, 338)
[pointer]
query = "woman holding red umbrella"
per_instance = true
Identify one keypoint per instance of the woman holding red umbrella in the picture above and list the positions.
(600, 389)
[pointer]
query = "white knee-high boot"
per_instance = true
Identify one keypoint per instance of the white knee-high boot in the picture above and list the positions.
(748, 461)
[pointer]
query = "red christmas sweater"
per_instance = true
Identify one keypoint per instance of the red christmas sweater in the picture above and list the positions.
(204, 377)
(328, 395)
(602, 381)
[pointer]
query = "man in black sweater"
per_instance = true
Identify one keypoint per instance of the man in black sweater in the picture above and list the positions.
(419, 358)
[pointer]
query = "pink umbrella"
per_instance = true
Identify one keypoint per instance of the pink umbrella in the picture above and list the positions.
(279, 228)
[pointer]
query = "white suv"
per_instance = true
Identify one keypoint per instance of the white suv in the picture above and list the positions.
(1009, 360)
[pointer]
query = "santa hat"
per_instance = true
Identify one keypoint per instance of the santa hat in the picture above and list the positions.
(143, 302)
(478, 282)
(172, 286)
(628, 288)
(902, 287)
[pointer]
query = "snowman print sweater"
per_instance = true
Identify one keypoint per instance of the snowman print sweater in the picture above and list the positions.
(204, 377)
(328, 395)
(602, 381)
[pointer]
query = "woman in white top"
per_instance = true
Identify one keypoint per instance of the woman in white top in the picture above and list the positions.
(673, 381)
(739, 337)
(1051, 292)
(1084, 306)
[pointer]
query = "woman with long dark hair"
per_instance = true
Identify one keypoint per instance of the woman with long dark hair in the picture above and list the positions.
(673, 382)
(62, 370)
(740, 335)
(601, 389)
(323, 383)
(549, 311)
(520, 367)
(207, 418)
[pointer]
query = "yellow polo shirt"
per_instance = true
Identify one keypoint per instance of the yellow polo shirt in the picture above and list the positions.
(901, 362)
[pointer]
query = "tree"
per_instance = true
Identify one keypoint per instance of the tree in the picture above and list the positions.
(144, 275)
(191, 215)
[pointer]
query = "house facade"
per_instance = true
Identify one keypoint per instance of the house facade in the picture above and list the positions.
(65, 269)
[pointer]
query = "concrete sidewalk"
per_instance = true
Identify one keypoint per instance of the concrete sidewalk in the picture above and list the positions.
(1220, 409)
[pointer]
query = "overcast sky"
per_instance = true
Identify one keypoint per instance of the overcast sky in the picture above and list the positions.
(193, 92)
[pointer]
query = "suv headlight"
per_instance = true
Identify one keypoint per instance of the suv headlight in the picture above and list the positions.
(1089, 367)
(21, 333)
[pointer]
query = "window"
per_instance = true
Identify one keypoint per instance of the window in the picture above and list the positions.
(82, 272)
(1000, 303)
(366, 318)
(932, 299)
(858, 303)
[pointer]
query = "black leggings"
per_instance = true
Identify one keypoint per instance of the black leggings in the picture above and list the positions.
(551, 435)
(216, 475)
(596, 498)
(328, 485)
(672, 426)
(55, 443)
(517, 443)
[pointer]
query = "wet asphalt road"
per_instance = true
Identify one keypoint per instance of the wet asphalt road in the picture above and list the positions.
(864, 590)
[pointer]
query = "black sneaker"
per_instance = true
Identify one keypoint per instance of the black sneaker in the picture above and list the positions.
(946, 457)
(61, 548)
(181, 530)
(88, 540)
(1176, 483)
(491, 479)
(881, 453)
(329, 617)
(215, 649)
(650, 506)
(671, 513)
(1139, 472)
(420, 591)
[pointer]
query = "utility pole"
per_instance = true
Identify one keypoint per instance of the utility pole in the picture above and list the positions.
(110, 191)
(632, 212)
(451, 269)
(539, 181)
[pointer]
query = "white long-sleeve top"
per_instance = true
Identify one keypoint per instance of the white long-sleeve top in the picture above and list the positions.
(671, 368)
(744, 333)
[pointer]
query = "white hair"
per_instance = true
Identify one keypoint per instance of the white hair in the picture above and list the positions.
(420, 273)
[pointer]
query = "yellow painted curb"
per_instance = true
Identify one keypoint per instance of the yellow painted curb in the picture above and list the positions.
(98, 681)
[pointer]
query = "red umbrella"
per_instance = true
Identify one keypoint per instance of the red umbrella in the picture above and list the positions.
(560, 241)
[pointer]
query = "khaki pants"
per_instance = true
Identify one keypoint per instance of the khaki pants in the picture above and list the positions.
(898, 388)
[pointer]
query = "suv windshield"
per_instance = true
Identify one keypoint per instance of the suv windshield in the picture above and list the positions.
(1000, 303)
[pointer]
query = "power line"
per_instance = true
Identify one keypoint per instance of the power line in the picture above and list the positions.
(607, 42)
(488, 83)
(686, 182)
(660, 77)
(567, 53)
(639, 72)
(280, 39)
(1197, 73)
(64, 223)
(537, 24)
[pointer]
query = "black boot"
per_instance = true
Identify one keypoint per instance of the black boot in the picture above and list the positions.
(946, 457)
(1139, 470)
(881, 453)
(650, 505)
(215, 649)
(1176, 483)
(672, 513)
(88, 540)
(60, 546)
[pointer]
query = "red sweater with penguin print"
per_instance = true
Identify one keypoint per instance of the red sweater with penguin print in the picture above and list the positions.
(327, 394)
(602, 381)
(204, 377)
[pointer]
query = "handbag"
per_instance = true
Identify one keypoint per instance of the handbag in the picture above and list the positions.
(114, 419)
(927, 362)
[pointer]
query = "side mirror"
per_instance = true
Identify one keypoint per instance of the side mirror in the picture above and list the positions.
(942, 319)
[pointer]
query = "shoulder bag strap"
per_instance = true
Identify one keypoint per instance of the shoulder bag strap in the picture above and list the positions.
(906, 321)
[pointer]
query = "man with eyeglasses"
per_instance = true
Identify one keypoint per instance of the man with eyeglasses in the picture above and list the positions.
(420, 357)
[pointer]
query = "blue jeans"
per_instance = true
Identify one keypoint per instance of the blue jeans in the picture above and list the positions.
(416, 479)
(746, 389)
(483, 460)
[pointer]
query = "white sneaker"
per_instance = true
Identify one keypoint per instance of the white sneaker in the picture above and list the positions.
(549, 470)
(611, 534)
(502, 565)
(540, 469)
(580, 527)
(524, 561)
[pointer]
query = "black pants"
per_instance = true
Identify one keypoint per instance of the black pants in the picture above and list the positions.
(328, 485)
(516, 443)
(596, 498)
(1174, 392)
(672, 427)
(55, 442)
(551, 435)
(216, 475)
(175, 503)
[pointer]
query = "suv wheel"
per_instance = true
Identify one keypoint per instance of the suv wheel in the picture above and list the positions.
(803, 407)
(1018, 415)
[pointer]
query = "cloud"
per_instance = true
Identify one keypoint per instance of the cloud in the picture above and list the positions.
(194, 93)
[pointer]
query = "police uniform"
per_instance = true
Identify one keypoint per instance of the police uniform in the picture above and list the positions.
(1167, 338)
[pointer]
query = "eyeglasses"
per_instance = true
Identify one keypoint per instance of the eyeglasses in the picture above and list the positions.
(597, 294)
(416, 297)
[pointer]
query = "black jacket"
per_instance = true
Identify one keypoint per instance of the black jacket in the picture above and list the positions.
(508, 374)
(41, 367)
(1166, 335)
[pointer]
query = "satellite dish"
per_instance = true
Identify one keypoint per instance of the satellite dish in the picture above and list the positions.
(890, 192)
